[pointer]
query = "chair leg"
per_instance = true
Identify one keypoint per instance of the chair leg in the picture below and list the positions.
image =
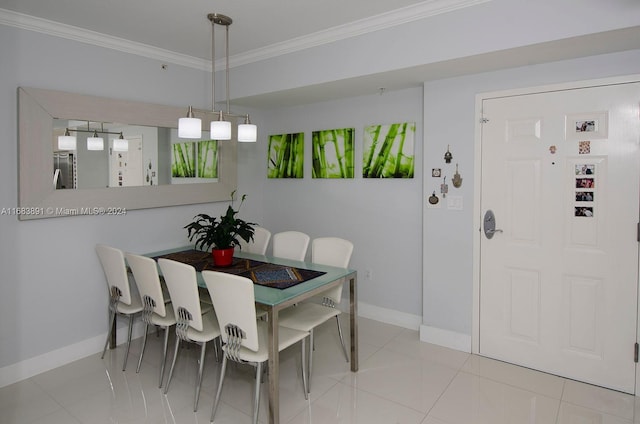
(199, 380)
(256, 398)
(112, 320)
(126, 355)
(173, 364)
(164, 355)
(144, 344)
(344, 348)
(310, 367)
(217, 400)
(305, 377)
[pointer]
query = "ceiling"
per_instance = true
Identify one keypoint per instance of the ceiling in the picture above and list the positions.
(259, 26)
(183, 27)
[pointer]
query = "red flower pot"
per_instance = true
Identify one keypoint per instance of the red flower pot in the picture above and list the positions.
(222, 257)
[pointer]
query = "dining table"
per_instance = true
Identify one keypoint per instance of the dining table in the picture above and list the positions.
(272, 298)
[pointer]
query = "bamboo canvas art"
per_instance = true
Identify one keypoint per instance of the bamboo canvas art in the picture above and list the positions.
(286, 156)
(208, 159)
(389, 151)
(183, 162)
(332, 153)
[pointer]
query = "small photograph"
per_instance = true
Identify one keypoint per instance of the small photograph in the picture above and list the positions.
(584, 196)
(584, 147)
(584, 211)
(586, 126)
(436, 172)
(585, 169)
(585, 183)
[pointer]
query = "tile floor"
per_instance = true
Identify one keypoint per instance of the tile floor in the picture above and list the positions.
(401, 380)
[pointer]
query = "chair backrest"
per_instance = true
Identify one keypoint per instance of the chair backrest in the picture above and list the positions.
(234, 303)
(145, 273)
(290, 245)
(332, 251)
(183, 289)
(115, 271)
(261, 237)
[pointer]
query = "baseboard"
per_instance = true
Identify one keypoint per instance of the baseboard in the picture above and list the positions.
(388, 316)
(56, 358)
(446, 338)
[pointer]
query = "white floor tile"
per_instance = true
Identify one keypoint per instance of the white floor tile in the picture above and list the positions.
(478, 400)
(401, 380)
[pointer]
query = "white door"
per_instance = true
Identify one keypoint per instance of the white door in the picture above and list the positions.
(559, 276)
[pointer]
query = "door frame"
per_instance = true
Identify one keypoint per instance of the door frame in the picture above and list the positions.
(477, 190)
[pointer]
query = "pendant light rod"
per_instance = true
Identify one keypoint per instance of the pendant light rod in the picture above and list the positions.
(219, 19)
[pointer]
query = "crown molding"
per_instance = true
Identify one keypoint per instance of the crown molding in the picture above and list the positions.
(353, 29)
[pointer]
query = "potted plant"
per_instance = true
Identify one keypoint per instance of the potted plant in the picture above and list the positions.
(222, 233)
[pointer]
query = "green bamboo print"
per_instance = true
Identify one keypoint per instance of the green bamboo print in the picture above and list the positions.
(393, 157)
(286, 156)
(183, 164)
(208, 159)
(332, 153)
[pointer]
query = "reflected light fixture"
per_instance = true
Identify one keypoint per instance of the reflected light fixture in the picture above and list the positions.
(95, 142)
(120, 144)
(67, 141)
(190, 126)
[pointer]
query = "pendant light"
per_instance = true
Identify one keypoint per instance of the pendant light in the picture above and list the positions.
(120, 144)
(190, 126)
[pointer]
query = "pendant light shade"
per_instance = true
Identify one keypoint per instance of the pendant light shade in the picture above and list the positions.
(67, 141)
(247, 132)
(189, 127)
(221, 129)
(95, 142)
(120, 144)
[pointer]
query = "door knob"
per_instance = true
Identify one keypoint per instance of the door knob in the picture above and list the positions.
(489, 224)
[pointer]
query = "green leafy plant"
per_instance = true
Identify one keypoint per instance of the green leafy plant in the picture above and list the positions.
(220, 232)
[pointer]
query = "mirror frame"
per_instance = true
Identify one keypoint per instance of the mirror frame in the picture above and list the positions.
(37, 108)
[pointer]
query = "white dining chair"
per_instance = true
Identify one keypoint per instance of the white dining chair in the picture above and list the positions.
(244, 337)
(290, 245)
(260, 242)
(155, 311)
(122, 300)
(306, 316)
(192, 325)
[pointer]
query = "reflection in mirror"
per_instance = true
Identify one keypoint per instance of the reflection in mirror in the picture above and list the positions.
(152, 156)
(88, 180)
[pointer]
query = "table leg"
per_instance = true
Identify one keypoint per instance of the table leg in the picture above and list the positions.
(353, 296)
(274, 368)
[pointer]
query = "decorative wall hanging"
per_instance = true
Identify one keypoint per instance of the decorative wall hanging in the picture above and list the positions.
(286, 156)
(332, 153)
(207, 159)
(195, 160)
(389, 151)
(183, 163)
(457, 179)
(448, 155)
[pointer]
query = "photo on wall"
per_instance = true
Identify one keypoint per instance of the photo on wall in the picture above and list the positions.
(286, 156)
(389, 151)
(332, 153)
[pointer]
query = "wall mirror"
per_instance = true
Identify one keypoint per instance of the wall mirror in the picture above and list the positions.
(61, 182)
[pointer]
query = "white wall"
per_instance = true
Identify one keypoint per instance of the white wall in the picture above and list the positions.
(381, 216)
(52, 287)
(450, 118)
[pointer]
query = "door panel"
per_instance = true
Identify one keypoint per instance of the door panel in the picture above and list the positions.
(558, 283)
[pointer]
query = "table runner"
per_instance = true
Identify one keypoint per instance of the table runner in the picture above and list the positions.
(262, 273)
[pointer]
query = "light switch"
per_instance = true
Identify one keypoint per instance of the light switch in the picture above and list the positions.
(454, 203)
